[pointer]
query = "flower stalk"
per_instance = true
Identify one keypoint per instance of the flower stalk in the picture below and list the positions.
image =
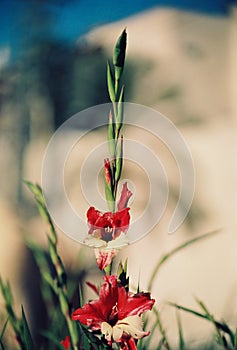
(115, 140)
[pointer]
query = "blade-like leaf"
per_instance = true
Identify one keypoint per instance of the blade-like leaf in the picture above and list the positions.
(160, 344)
(161, 328)
(40, 201)
(235, 339)
(86, 343)
(3, 329)
(1, 345)
(110, 83)
(181, 339)
(221, 325)
(26, 332)
(173, 252)
(122, 275)
(2, 334)
(211, 318)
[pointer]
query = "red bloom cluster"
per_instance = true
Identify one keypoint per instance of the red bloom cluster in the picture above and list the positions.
(107, 226)
(116, 314)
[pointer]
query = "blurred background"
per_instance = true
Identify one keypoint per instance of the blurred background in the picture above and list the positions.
(181, 61)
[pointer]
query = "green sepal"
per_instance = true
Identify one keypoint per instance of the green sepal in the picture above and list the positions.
(122, 275)
(119, 159)
(110, 84)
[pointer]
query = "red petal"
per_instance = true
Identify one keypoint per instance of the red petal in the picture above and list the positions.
(93, 287)
(109, 295)
(121, 219)
(98, 220)
(90, 314)
(124, 198)
(92, 215)
(133, 304)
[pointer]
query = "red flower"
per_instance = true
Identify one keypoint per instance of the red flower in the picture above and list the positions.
(124, 198)
(116, 314)
(66, 342)
(107, 226)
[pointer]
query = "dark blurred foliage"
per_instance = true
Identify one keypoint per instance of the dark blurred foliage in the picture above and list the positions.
(50, 81)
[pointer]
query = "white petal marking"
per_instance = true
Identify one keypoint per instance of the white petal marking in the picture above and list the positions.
(133, 326)
(94, 242)
(119, 242)
(107, 330)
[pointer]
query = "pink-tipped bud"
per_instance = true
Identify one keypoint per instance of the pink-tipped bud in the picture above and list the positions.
(124, 198)
(104, 257)
(107, 171)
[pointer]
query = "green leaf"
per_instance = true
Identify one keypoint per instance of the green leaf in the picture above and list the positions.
(80, 296)
(181, 339)
(40, 201)
(1, 345)
(86, 343)
(221, 340)
(26, 332)
(160, 344)
(110, 84)
(2, 334)
(235, 339)
(122, 275)
(96, 342)
(161, 328)
(220, 325)
(3, 329)
(165, 257)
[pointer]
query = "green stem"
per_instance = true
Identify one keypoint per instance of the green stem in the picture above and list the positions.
(108, 269)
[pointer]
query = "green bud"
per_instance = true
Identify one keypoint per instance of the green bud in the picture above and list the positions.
(119, 54)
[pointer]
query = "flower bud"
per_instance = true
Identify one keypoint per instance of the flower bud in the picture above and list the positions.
(124, 198)
(119, 54)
